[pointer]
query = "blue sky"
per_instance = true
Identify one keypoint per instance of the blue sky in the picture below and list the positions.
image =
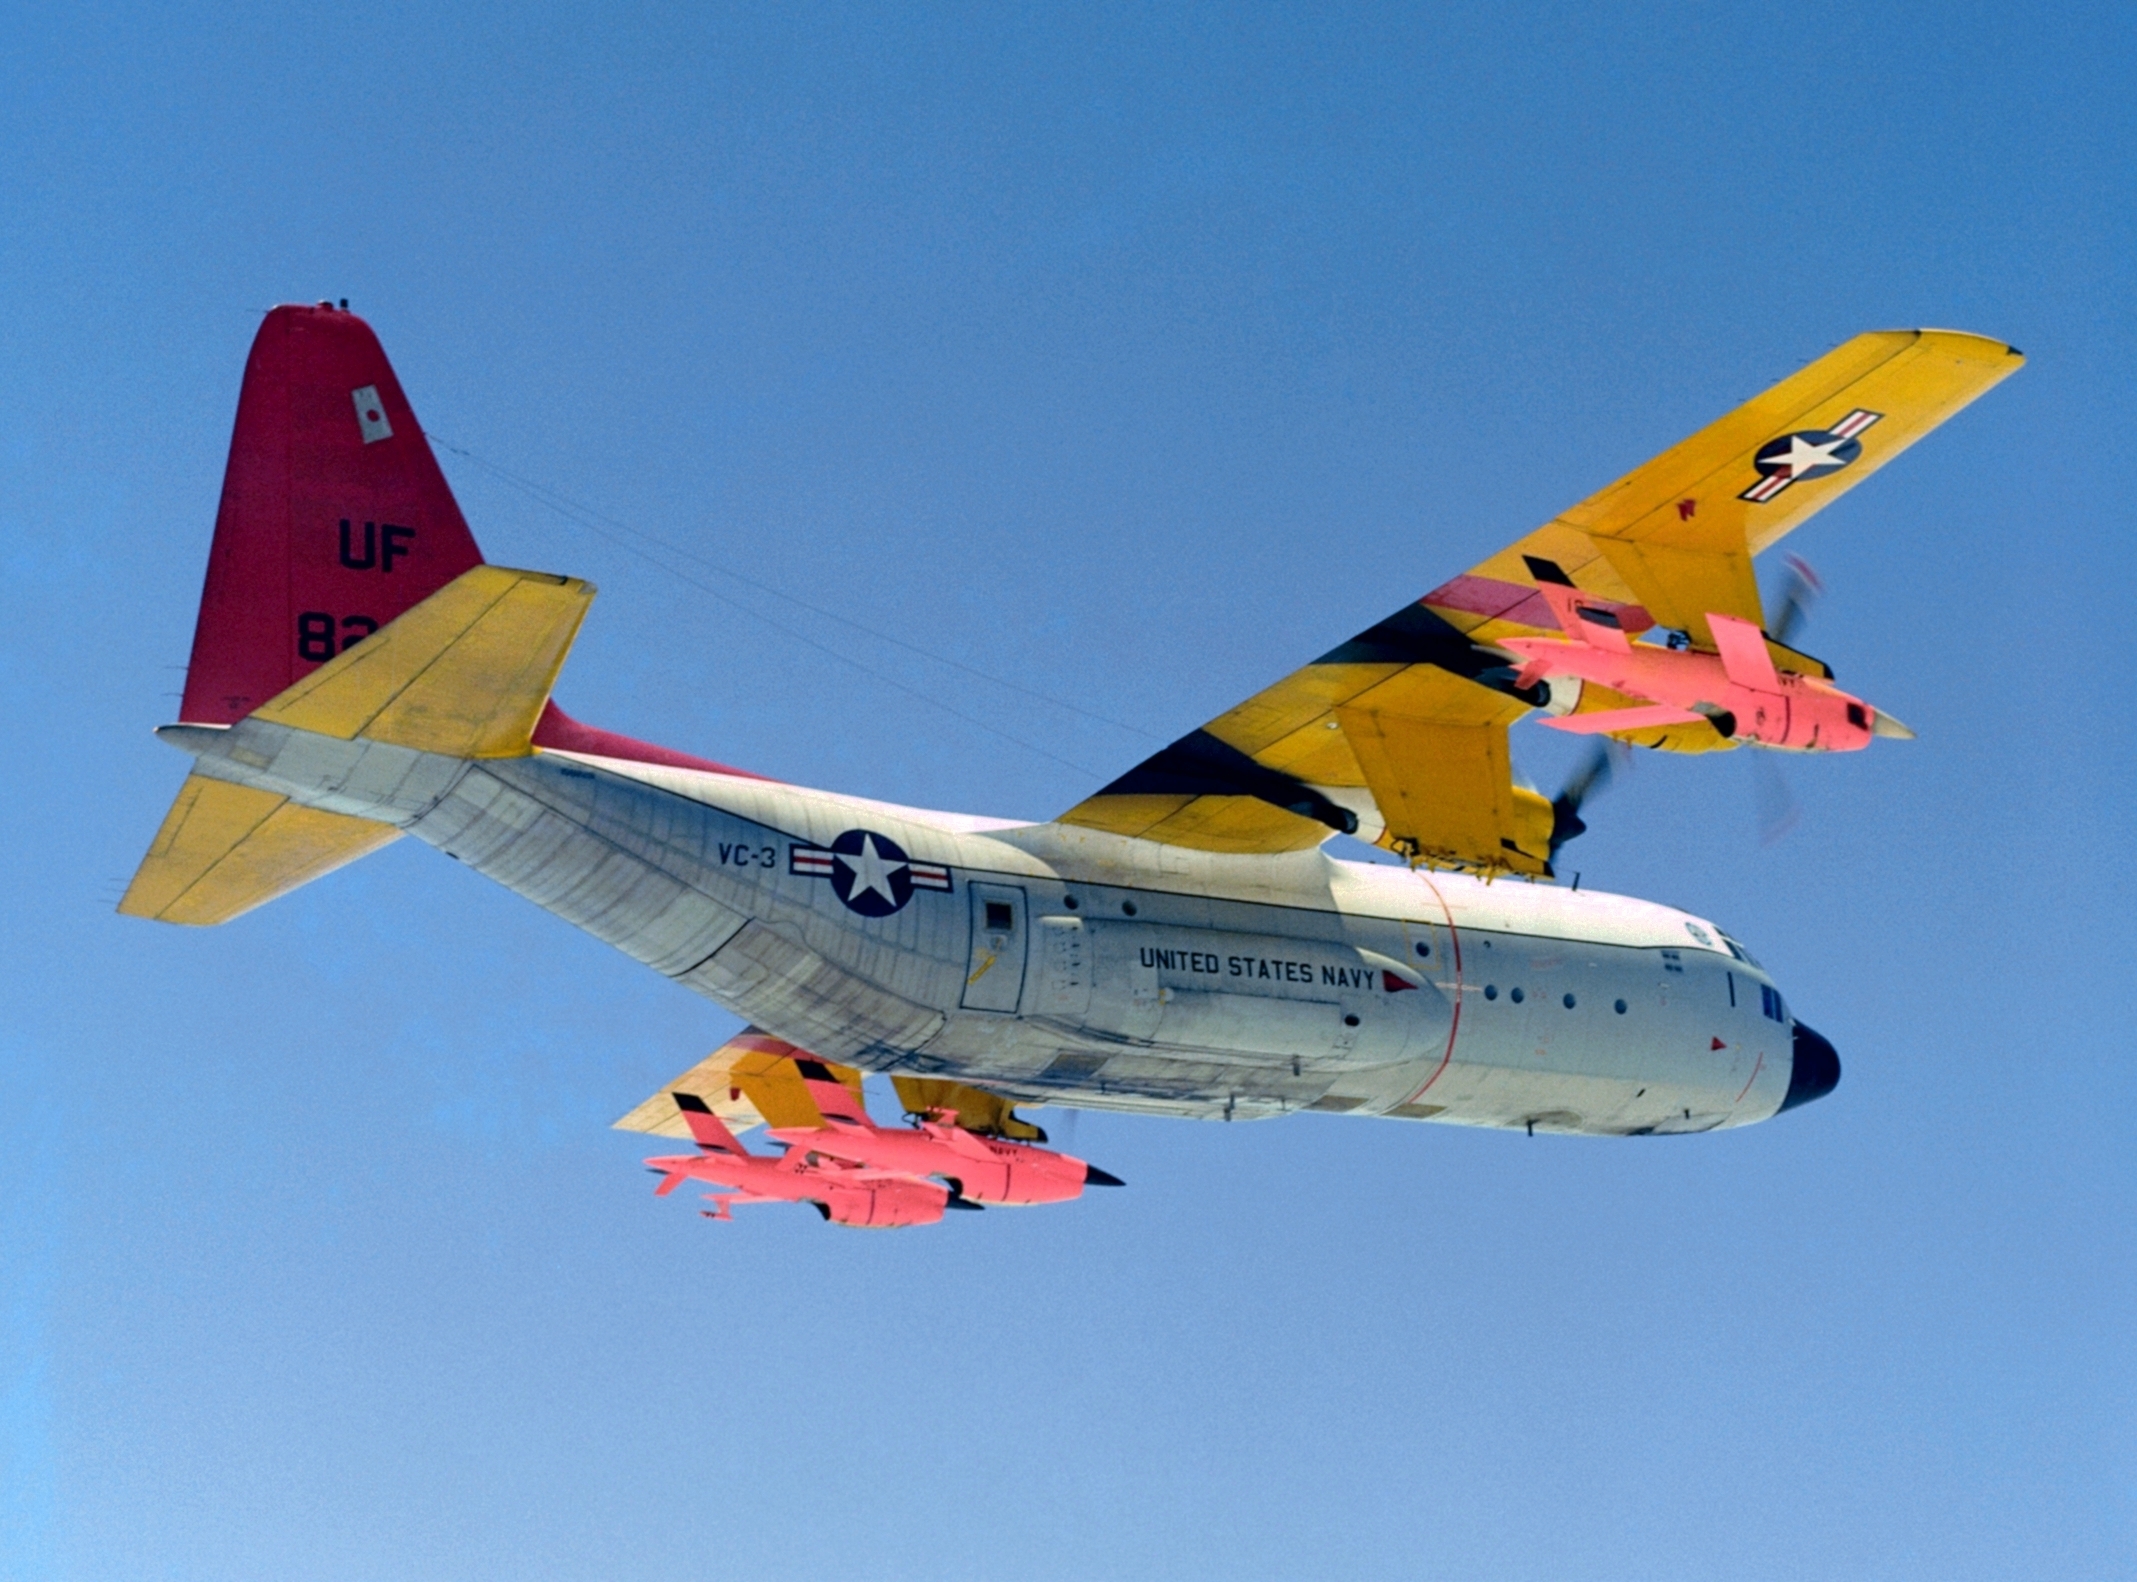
(1132, 355)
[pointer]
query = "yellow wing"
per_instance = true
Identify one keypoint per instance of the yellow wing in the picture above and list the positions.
(1399, 735)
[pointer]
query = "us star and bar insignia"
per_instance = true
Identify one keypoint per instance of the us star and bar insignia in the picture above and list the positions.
(1806, 454)
(871, 873)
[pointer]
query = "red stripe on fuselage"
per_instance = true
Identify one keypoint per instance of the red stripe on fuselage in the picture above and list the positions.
(1454, 943)
(559, 732)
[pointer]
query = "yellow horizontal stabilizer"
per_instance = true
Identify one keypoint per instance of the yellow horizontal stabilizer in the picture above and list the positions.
(465, 673)
(748, 1081)
(225, 849)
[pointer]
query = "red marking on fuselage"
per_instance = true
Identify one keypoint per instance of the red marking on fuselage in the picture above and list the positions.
(1687, 509)
(560, 732)
(1756, 1067)
(1718, 1044)
(1454, 943)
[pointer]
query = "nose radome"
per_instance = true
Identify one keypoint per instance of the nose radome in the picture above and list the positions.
(1815, 1069)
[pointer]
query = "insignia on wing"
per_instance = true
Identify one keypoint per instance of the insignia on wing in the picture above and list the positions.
(1808, 453)
(869, 872)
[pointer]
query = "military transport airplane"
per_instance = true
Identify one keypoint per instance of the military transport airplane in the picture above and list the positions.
(1178, 942)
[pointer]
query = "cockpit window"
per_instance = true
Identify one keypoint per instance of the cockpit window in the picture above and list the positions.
(1737, 950)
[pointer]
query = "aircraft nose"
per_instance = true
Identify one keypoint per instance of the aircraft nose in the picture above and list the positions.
(1093, 1176)
(1815, 1070)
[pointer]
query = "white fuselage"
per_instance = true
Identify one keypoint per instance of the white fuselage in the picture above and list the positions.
(1057, 964)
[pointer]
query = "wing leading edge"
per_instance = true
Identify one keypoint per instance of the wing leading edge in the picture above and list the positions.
(1400, 735)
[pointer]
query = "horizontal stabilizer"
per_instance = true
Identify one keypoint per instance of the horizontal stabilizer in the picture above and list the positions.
(750, 1080)
(465, 673)
(225, 849)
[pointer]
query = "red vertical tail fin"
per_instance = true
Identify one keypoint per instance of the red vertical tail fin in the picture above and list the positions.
(834, 1100)
(707, 1130)
(334, 517)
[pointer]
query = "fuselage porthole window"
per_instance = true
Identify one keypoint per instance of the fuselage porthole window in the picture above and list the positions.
(1569, 1002)
(1491, 991)
(1516, 996)
(1620, 1007)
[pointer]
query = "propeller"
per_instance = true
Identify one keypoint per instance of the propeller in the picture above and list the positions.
(1603, 760)
(1799, 592)
(1777, 807)
(1778, 812)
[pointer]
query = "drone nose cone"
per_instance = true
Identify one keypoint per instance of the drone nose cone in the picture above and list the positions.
(1815, 1071)
(1093, 1176)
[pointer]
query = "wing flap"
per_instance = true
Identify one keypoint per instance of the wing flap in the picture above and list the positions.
(1433, 750)
(974, 1109)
